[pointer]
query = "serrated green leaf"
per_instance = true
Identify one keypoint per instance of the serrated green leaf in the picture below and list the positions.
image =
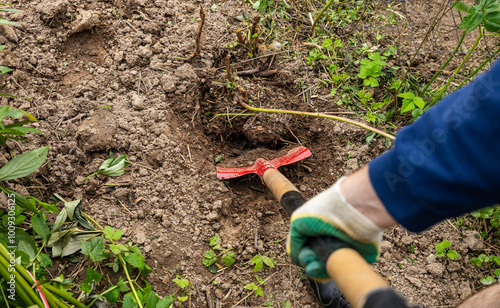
(45, 260)
(112, 234)
(419, 102)
(214, 240)
(152, 300)
(40, 227)
(137, 260)
(94, 249)
(24, 164)
(166, 302)
(117, 248)
(407, 105)
(128, 301)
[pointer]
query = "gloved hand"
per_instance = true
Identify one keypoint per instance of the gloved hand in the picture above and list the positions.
(330, 214)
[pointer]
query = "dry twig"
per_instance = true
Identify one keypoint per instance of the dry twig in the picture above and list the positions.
(198, 34)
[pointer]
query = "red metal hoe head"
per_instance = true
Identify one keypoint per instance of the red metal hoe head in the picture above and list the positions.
(261, 165)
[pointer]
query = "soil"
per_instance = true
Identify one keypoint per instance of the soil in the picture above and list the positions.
(119, 76)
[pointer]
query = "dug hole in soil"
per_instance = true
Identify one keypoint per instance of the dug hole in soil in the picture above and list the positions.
(118, 76)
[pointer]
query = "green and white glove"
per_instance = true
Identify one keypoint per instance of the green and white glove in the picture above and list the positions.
(330, 214)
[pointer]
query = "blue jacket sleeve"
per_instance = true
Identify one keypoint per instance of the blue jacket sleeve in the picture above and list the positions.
(446, 163)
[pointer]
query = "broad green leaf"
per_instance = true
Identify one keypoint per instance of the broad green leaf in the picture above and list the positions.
(137, 260)
(453, 254)
(209, 258)
(416, 112)
(112, 234)
(181, 282)
(152, 300)
(24, 164)
(460, 6)
(40, 227)
(492, 21)
(214, 240)
(20, 200)
(259, 292)
(257, 260)
(487, 280)
(112, 296)
(4, 69)
(45, 260)
(490, 6)
(94, 249)
(419, 102)
(24, 243)
(268, 261)
(407, 105)
(406, 95)
(166, 302)
(91, 278)
(472, 20)
(73, 243)
(117, 248)
(128, 301)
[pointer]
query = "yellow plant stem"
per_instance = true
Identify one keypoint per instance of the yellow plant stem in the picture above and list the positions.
(321, 115)
(459, 68)
(21, 284)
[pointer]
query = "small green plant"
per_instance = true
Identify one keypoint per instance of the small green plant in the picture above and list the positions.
(181, 282)
(106, 107)
(210, 258)
(442, 250)
(371, 69)
(412, 103)
(112, 166)
(491, 262)
(259, 261)
(256, 288)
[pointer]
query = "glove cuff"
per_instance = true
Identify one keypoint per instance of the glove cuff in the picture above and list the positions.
(332, 207)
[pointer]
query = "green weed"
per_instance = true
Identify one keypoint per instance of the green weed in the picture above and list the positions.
(442, 250)
(210, 258)
(259, 261)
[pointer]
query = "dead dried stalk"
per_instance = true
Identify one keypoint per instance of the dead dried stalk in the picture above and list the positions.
(228, 68)
(197, 42)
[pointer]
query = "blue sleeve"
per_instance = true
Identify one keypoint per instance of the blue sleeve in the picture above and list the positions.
(446, 163)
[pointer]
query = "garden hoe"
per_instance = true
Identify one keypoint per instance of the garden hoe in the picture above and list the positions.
(352, 275)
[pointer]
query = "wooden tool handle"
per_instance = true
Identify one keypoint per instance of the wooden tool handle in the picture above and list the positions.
(352, 274)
